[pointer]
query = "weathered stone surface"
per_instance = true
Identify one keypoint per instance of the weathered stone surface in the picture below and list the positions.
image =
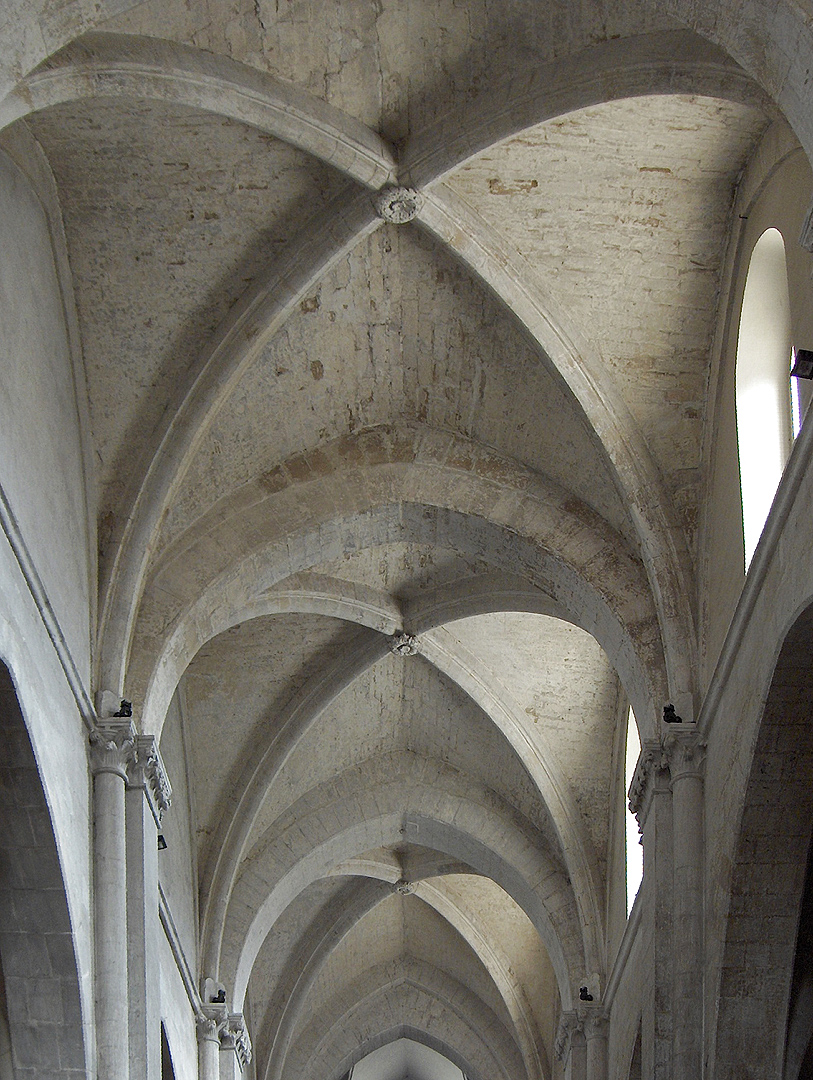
(387, 353)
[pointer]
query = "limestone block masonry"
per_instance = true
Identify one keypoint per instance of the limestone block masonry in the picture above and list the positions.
(371, 467)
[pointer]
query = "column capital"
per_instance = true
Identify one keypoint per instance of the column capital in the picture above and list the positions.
(216, 1024)
(146, 770)
(596, 1023)
(112, 746)
(685, 751)
(210, 1022)
(235, 1037)
(570, 1024)
(650, 773)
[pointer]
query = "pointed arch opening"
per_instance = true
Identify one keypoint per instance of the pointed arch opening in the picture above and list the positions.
(37, 954)
(763, 397)
(406, 1058)
(635, 852)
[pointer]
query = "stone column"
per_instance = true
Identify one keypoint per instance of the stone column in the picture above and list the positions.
(570, 1046)
(596, 1029)
(219, 1030)
(234, 1037)
(112, 750)
(147, 798)
(650, 801)
(209, 1025)
(686, 753)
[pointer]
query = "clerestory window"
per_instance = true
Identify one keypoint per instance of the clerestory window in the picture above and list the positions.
(763, 395)
(635, 852)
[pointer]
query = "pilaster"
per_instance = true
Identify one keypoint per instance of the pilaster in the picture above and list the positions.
(148, 796)
(570, 1045)
(651, 802)
(685, 752)
(235, 1037)
(596, 1033)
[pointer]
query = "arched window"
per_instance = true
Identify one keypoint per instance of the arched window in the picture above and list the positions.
(764, 431)
(635, 853)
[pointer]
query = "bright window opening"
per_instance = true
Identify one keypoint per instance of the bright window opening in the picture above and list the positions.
(763, 387)
(635, 852)
(796, 409)
(405, 1059)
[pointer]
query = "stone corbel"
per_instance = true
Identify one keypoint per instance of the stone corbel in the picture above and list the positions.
(147, 771)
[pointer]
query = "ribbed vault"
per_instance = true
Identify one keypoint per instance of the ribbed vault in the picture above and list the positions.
(395, 521)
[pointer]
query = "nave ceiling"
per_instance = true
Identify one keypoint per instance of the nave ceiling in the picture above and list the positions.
(312, 430)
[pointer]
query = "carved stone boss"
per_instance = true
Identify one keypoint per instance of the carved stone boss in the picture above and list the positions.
(402, 644)
(397, 205)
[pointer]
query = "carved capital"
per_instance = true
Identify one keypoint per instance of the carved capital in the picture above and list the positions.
(397, 205)
(596, 1025)
(147, 771)
(570, 1024)
(685, 752)
(235, 1037)
(403, 644)
(216, 1024)
(112, 746)
(210, 1022)
(651, 767)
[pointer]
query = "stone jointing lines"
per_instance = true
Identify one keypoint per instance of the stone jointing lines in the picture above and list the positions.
(313, 700)
(665, 63)
(334, 232)
(229, 845)
(663, 542)
(767, 881)
(364, 808)
(772, 40)
(127, 66)
(782, 26)
(39, 953)
(551, 904)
